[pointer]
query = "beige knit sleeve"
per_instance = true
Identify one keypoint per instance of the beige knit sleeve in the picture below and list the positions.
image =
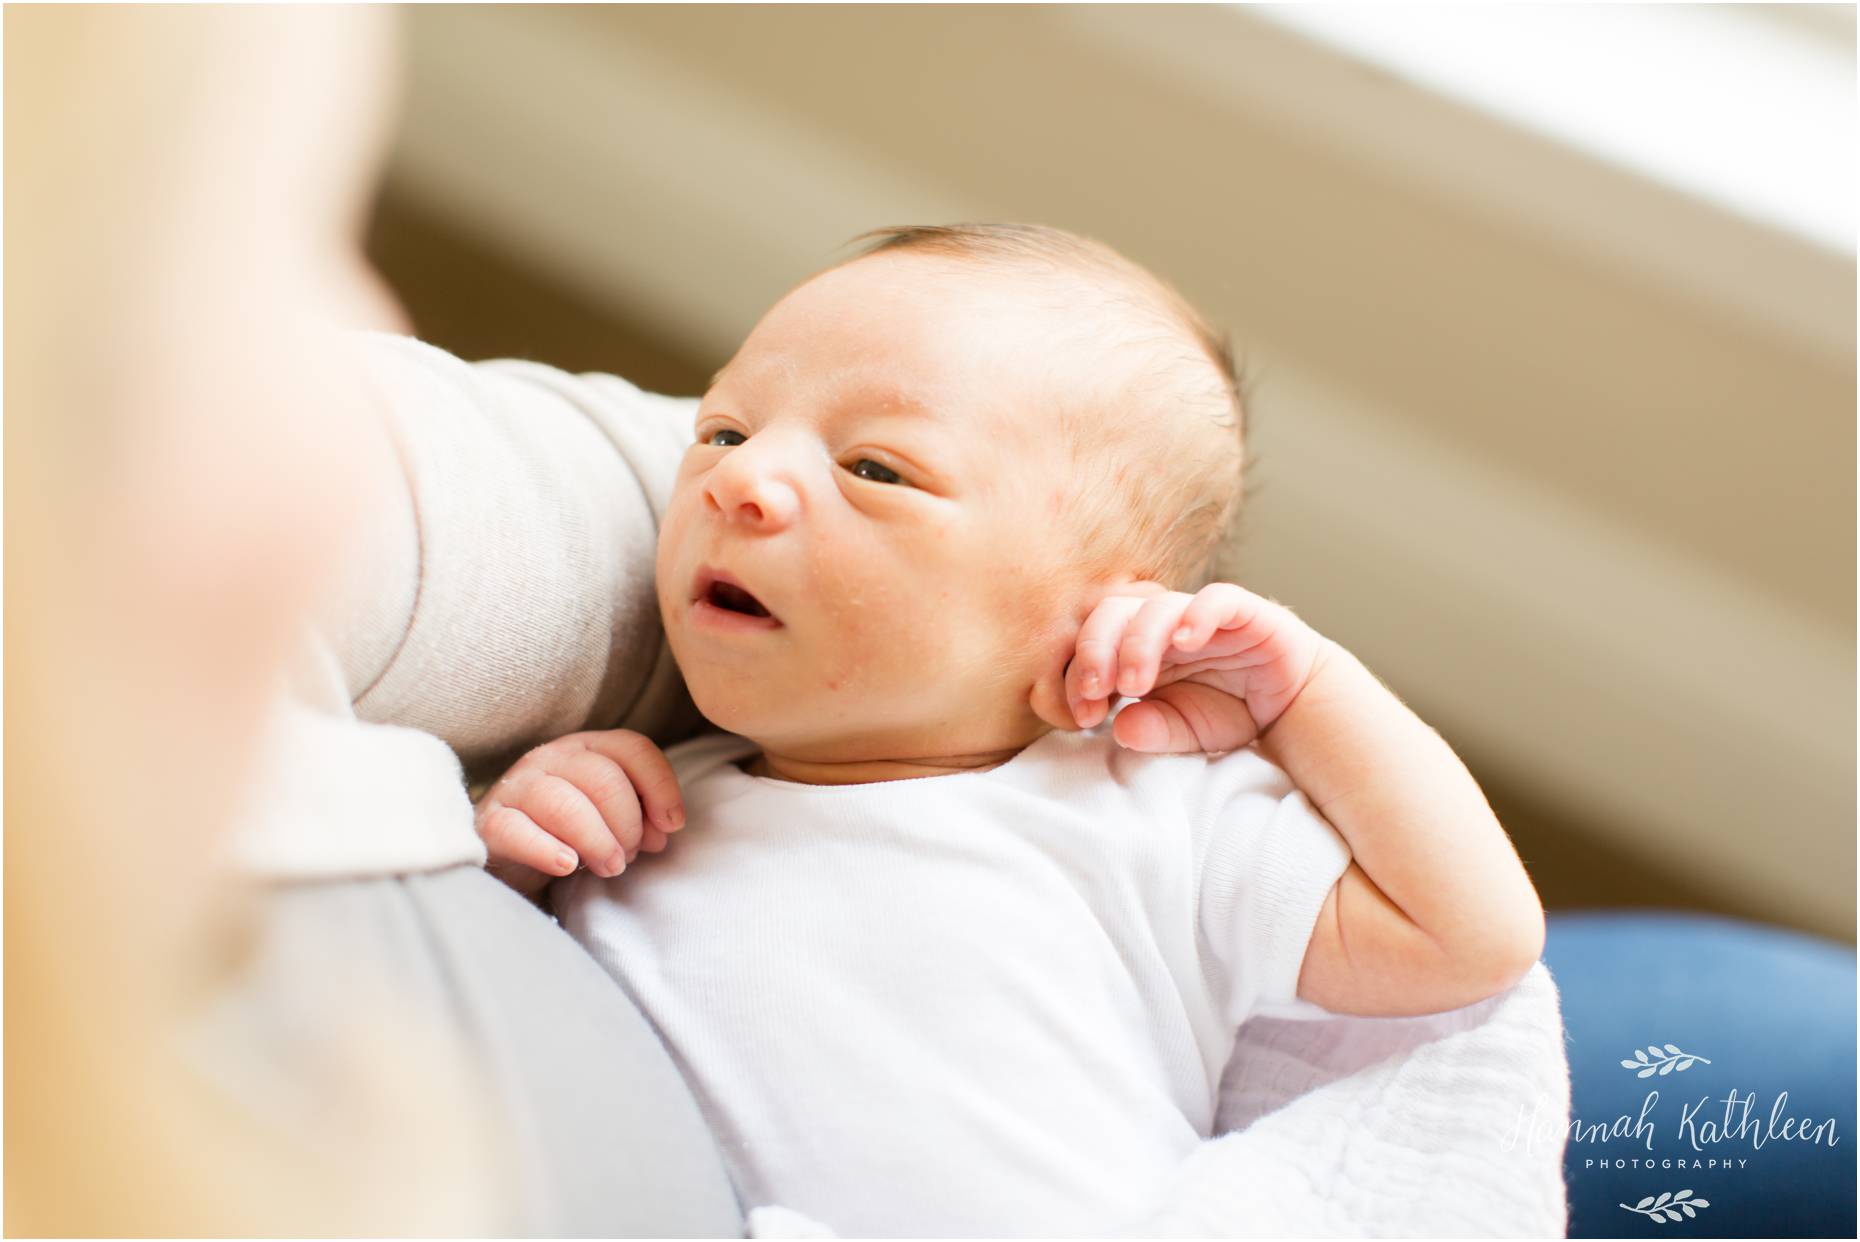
(504, 595)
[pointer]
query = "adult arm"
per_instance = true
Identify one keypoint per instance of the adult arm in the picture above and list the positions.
(506, 596)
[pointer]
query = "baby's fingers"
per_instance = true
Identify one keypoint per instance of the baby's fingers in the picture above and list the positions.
(562, 807)
(648, 772)
(607, 843)
(1185, 716)
(511, 836)
(1146, 637)
(1217, 606)
(1091, 678)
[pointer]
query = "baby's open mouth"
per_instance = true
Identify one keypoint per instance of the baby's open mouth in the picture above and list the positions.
(721, 594)
(732, 598)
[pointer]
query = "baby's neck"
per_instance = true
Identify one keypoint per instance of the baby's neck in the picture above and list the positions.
(867, 771)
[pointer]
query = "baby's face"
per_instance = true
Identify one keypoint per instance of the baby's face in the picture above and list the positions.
(879, 474)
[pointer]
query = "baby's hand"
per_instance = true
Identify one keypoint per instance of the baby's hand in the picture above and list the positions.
(599, 798)
(1213, 669)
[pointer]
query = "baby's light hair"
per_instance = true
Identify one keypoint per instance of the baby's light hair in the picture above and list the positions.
(1159, 455)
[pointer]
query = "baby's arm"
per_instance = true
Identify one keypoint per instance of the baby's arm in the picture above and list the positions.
(1435, 910)
(597, 798)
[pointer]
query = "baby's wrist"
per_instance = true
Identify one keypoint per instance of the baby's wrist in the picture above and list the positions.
(1325, 655)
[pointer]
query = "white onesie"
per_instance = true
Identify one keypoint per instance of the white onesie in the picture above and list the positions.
(987, 1003)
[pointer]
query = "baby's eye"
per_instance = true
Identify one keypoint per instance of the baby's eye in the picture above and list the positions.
(716, 438)
(866, 468)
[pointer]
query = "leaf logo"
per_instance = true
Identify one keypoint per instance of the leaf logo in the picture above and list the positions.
(1663, 1060)
(1668, 1206)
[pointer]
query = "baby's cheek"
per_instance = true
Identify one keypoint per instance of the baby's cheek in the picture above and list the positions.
(888, 637)
(686, 498)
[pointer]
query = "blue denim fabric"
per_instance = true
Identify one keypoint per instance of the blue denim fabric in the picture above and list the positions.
(1773, 1013)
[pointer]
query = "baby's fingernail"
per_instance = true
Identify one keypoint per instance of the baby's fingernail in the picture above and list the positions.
(675, 819)
(1184, 634)
(566, 861)
(1091, 685)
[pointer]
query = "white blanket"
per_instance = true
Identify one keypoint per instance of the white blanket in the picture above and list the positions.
(1451, 1125)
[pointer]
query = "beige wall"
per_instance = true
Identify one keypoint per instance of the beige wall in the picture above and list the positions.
(1567, 457)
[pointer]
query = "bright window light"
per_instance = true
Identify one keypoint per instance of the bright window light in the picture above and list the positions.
(1752, 110)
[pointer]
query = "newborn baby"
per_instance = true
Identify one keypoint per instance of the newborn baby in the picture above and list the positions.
(1009, 832)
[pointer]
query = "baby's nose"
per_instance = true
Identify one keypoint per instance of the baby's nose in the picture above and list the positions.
(759, 499)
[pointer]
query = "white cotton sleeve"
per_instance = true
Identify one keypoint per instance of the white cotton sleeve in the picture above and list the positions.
(1267, 862)
(508, 594)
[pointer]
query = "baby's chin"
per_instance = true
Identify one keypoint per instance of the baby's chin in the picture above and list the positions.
(821, 725)
(761, 713)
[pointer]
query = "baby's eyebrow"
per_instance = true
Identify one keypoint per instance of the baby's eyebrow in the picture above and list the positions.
(890, 401)
(863, 395)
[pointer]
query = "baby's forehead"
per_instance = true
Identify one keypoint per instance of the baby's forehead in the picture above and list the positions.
(1079, 333)
(1066, 325)
(1019, 345)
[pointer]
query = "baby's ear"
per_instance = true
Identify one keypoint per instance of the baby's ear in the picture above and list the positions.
(1047, 696)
